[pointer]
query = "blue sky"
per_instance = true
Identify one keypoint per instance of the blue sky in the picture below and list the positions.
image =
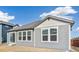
(27, 14)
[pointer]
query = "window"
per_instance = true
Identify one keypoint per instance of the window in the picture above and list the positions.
(49, 34)
(20, 35)
(24, 35)
(53, 34)
(45, 34)
(29, 35)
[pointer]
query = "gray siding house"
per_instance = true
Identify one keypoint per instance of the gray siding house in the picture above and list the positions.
(4, 27)
(49, 32)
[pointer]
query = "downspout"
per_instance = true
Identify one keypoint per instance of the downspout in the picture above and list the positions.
(69, 37)
(34, 37)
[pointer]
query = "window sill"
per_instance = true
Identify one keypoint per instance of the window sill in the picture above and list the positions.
(25, 40)
(50, 41)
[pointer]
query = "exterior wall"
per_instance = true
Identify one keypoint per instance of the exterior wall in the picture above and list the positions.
(63, 39)
(22, 42)
(0, 34)
(25, 43)
(63, 35)
(4, 32)
(8, 37)
(50, 22)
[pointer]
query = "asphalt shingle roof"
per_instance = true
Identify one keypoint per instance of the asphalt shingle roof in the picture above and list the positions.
(36, 23)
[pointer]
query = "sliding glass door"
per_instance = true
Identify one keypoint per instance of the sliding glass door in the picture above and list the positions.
(12, 37)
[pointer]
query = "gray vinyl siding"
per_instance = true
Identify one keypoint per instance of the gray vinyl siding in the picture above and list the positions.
(5, 28)
(0, 34)
(23, 42)
(3, 32)
(63, 38)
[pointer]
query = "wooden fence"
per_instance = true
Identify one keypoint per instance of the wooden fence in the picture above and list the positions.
(75, 43)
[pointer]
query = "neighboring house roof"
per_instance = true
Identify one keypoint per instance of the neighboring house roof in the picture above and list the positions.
(6, 23)
(76, 38)
(36, 23)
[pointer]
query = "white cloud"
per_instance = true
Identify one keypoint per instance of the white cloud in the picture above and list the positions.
(77, 29)
(60, 11)
(5, 17)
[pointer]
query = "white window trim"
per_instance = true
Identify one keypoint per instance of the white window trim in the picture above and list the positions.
(21, 35)
(26, 36)
(42, 35)
(49, 34)
(31, 36)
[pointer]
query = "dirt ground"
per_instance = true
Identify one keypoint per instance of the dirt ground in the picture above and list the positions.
(15, 48)
(75, 48)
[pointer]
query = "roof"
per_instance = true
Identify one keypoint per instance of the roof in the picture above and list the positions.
(76, 38)
(6, 23)
(36, 23)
